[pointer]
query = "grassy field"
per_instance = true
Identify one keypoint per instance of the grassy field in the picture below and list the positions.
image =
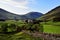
(52, 27)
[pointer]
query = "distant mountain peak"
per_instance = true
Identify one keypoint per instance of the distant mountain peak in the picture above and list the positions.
(34, 15)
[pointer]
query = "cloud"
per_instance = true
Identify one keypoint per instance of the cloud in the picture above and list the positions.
(7, 0)
(21, 4)
(16, 6)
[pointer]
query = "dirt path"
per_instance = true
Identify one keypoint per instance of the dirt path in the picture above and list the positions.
(45, 36)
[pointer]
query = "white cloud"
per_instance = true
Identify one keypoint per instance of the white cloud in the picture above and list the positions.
(16, 6)
(7, 0)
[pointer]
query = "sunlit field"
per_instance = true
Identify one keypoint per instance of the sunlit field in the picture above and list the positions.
(51, 27)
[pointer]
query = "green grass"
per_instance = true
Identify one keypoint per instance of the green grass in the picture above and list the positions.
(53, 27)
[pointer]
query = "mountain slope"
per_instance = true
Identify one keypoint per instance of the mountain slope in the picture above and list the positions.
(7, 15)
(54, 13)
(33, 15)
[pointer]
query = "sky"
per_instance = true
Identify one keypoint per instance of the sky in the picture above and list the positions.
(22, 7)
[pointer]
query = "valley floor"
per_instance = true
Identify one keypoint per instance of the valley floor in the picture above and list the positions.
(51, 31)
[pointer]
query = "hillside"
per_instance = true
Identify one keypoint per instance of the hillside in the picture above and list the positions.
(8, 15)
(51, 15)
(33, 15)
